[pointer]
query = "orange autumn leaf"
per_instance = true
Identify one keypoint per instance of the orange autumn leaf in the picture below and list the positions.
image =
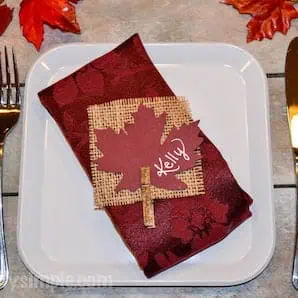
(58, 14)
(5, 16)
(268, 16)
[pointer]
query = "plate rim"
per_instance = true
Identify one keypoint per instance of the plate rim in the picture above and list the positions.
(29, 76)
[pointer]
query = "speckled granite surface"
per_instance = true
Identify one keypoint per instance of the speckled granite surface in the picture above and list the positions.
(165, 21)
(156, 21)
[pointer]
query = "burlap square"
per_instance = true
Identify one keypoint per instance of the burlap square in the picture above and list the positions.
(115, 114)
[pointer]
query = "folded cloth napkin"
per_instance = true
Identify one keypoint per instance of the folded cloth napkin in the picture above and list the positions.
(184, 226)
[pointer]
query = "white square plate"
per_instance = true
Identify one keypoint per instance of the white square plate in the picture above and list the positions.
(62, 240)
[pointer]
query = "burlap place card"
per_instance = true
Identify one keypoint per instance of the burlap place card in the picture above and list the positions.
(114, 115)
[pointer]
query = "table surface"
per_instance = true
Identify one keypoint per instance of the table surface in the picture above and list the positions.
(165, 21)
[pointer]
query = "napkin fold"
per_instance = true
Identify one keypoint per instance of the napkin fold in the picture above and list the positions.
(184, 226)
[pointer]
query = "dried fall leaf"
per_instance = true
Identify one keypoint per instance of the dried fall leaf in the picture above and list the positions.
(58, 14)
(139, 145)
(268, 16)
(5, 17)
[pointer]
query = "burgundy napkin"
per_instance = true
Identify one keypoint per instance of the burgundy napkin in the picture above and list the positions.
(184, 226)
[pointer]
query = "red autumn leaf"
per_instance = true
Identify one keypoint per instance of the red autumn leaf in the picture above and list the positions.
(139, 145)
(165, 260)
(180, 229)
(268, 16)
(58, 14)
(5, 17)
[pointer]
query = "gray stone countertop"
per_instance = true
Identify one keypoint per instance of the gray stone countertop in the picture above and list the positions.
(165, 21)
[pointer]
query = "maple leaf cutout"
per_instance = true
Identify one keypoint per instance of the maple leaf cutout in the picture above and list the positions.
(139, 145)
(58, 14)
(5, 16)
(269, 16)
